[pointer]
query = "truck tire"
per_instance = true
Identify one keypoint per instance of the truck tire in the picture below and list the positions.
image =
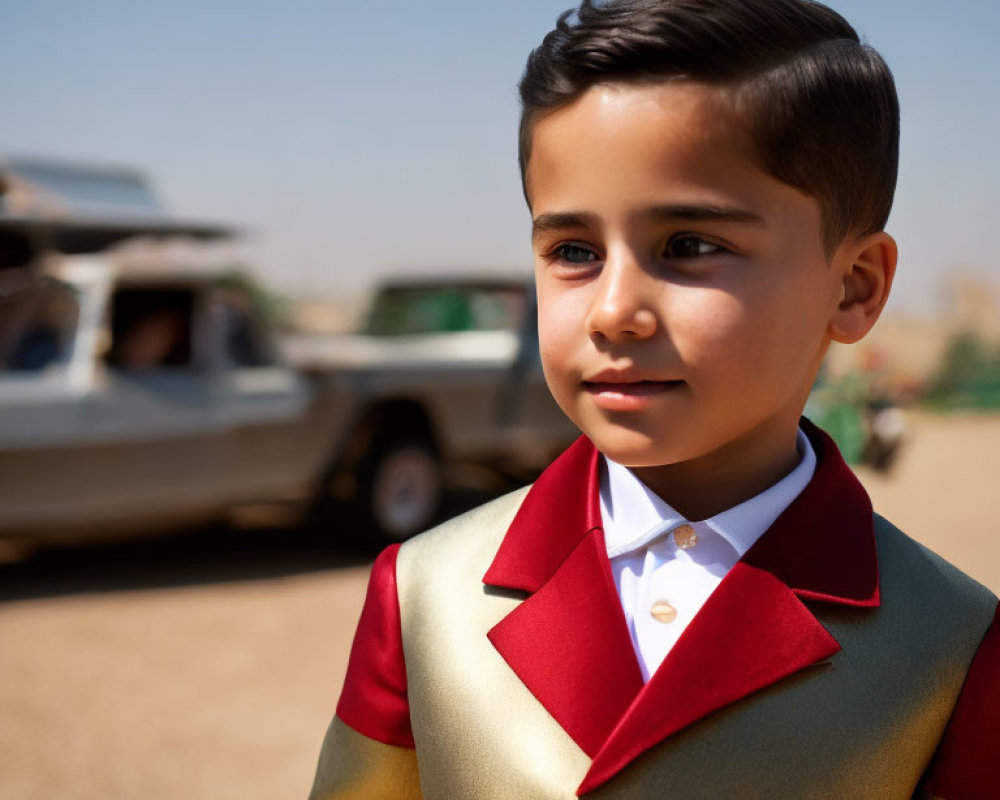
(401, 485)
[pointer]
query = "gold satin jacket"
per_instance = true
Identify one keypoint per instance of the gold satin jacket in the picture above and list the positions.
(493, 662)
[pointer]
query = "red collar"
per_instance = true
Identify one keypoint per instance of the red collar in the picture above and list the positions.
(822, 546)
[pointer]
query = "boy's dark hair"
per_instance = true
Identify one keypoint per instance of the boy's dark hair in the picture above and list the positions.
(820, 107)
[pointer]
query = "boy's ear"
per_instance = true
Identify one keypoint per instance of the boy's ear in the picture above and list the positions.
(869, 264)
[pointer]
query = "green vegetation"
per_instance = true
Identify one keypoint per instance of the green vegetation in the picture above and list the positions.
(838, 407)
(968, 376)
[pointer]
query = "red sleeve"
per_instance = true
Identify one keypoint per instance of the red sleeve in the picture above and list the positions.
(374, 700)
(967, 763)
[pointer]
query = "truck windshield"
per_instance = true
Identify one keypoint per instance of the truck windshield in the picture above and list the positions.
(38, 317)
(400, 311)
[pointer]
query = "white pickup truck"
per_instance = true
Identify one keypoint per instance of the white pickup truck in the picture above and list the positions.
(140, 402)
(443, 378)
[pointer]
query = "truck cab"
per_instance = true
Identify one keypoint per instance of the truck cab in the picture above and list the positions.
(137, 399)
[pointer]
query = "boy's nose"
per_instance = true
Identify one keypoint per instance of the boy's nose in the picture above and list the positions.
(621, 308)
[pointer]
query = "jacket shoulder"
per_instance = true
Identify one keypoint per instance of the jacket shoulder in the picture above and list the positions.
(908, 568)
(467, 542)
(965, 764)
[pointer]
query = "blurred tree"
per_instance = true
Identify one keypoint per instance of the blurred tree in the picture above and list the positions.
(968, 375)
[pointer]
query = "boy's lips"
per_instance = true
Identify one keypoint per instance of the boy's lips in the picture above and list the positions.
(615, 392)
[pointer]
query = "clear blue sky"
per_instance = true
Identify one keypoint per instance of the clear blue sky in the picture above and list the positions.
(359, 139)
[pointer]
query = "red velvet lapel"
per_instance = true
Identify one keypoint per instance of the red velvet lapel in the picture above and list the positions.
(561, 508)
(570, 646)
(569, 643)
(750, 633)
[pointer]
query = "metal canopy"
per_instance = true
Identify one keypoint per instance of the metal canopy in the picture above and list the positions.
(74, 236)
(79, 208)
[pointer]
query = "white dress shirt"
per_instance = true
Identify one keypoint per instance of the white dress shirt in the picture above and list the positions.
(650, 568)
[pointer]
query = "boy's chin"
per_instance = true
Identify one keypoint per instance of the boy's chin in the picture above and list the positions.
(635, 449)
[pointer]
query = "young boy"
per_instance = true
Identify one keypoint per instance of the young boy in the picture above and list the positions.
(695, 600)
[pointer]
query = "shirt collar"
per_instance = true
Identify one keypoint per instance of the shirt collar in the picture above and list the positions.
(634, 516)
(822, 546)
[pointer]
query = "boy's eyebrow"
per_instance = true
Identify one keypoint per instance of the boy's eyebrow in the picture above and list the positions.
(662, 213)
(556, 221)
(703, 213)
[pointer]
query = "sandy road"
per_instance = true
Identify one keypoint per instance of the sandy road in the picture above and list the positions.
(945, 491)
(209, 668)
(194, 692)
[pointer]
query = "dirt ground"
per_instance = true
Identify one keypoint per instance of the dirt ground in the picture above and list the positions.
(208, 667)
(945, 491)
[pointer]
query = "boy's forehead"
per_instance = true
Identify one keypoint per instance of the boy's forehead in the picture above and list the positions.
(675, 95)
(638, 127)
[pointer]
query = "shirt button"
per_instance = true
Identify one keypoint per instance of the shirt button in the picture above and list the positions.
(662, 611)
(685, 537)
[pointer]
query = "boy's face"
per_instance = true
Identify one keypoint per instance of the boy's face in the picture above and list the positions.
(685, 296)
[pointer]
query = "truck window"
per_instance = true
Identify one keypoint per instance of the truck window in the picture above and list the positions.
(151, 329)
(244, 343)
(420, 310)
(38, 318)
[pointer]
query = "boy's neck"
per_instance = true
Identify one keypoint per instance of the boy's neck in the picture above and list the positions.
(724, 478)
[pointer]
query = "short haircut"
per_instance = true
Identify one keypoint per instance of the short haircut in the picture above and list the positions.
(819, 106)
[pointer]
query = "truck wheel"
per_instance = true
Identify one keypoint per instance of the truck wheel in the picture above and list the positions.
(401, 487)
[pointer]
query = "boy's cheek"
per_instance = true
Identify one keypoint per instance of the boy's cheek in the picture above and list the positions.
(555, 371)
(557, 333)
(561, 376)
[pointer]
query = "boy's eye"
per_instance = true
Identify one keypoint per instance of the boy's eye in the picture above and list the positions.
(575, 254)
(687, 245)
